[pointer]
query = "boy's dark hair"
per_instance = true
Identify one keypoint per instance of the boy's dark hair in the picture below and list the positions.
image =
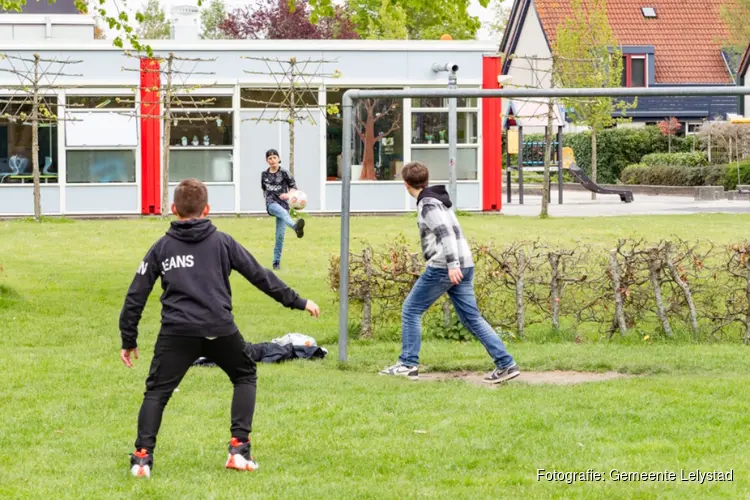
(416, 175)
(272, 152)
(190, 198)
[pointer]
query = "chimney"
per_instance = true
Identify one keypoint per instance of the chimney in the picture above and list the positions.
(185, 22)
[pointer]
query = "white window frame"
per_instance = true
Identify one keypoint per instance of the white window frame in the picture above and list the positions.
(230, 147)
(134, 149)
(461, 145)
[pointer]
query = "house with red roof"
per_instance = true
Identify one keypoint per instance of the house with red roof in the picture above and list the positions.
(663, 42)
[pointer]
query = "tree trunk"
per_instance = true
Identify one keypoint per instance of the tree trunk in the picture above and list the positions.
(292, 111)
(447, 313)
(165, 210)
(554, 261)
(519, 292)
(669, 141)
(685, 291)
(368, 157)
(619, 302)
(291, 143)
(654, 274)
(593, 159)
(35, 143)
(547, 159)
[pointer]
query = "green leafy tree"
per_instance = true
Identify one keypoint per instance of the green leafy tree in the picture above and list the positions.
(390, 23)
(211, 19)
(425, 19)
(153, 24)
(736, 15)
(500, 14)
(585, 55)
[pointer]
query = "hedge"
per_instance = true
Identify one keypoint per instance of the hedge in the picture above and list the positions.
(670, 175)
(698, 159)
(618, 148)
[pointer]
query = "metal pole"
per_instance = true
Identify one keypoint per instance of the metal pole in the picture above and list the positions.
(520, 165)
(508, 187)
(346, 168)
(452, 140)
(559, 165)
(727, 90)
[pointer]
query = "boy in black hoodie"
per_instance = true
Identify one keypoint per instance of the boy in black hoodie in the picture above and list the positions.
(450, 269)
(194, 261)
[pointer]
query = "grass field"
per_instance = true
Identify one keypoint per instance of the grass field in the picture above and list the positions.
(69, 407)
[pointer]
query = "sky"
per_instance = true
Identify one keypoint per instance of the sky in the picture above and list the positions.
(484, 15)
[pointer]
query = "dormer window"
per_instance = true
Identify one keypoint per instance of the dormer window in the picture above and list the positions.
(634, 70)
(649, 12)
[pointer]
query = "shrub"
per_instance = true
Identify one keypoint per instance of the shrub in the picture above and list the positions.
(618, 147)
(726, 175)
(634, 174)
(671, 175)
(698, 159)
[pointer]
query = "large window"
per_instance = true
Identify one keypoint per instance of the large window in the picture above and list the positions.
(634, 71)
(101, 137)
(16, 166)
(429, 137)
(201, 139)
(378, 139)
(100, 165)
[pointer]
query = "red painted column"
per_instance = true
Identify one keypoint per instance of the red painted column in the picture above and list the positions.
(492, 145)
(150, 137)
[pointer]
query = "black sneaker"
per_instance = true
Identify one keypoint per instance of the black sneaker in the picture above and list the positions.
(141, 463)
(299, 228)
(239, 456)
(498, 376)
(276, 266)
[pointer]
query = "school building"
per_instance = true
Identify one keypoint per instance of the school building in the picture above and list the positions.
(104, 153)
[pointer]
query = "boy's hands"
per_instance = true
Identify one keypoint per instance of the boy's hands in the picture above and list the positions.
(284, 196)
(313, 309)
(125, 356)
(455, 275)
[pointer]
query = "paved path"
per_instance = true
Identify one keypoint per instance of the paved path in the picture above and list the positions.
(579, 204)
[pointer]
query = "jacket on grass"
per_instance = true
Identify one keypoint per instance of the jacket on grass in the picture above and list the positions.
(443, 242)
(194, 261)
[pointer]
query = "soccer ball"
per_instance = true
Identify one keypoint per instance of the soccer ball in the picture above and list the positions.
(298, 200)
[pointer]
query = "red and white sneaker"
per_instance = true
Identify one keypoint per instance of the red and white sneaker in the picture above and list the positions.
(141, 463)
(239, 456)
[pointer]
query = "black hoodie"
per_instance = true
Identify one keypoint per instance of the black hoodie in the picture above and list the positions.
(194, 261)
(437, 192)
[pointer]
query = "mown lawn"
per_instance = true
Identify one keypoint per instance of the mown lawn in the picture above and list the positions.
(68, 407)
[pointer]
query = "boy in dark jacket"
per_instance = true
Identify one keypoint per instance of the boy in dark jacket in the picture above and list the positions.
(450, 269)
(194, 261)
(277, 185)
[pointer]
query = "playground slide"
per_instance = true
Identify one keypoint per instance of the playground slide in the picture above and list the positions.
(569, 163)
(580, 176)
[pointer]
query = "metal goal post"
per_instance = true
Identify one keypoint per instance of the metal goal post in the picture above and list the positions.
(352, 95)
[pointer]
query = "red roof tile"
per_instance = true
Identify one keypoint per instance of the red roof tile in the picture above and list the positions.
(686, 35)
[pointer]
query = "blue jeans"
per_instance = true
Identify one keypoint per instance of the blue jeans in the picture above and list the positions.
(429, 288)
(283, 219)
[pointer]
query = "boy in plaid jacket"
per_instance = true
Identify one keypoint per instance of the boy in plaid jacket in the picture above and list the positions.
(450, 269)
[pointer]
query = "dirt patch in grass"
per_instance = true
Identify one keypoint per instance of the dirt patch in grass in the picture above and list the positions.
(557, 377)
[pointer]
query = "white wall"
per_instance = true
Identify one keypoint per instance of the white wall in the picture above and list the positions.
(527, 72)
(747, 97)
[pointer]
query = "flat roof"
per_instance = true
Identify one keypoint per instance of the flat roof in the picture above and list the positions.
(254, 45)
